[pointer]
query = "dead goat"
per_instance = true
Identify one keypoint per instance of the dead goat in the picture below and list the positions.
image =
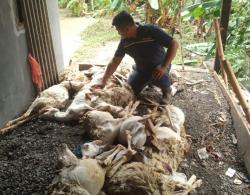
(77, 176)
(139, 178)
(56, 96)
(117, 156)
(102, 126)
(87, 99)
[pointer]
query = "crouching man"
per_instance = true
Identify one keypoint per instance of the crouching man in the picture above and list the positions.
(145, 44)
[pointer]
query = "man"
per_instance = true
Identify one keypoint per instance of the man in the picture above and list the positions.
(145, 44)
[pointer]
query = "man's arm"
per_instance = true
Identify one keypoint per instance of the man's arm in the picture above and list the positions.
(171, 53)
(111, 67)
(167, 41)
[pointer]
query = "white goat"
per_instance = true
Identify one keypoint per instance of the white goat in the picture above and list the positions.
(77, 176)
(56, 96)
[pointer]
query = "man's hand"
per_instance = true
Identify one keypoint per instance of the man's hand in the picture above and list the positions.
(112, 66)
(171, 52)
(158, 72)
(97, 86)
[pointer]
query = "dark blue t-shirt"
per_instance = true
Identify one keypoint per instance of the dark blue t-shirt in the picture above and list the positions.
(147, 48)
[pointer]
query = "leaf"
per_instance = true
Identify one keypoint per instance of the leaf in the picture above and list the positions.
(71, 4)
(211, 4)
(115, 4)
(198, 12)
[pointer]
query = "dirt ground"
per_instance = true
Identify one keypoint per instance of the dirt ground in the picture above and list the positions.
(210, 125)
(28, 155)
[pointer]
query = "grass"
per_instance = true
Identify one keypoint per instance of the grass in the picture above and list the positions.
(95, 36)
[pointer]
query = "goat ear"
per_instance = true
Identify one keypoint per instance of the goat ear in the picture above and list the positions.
(66, 157)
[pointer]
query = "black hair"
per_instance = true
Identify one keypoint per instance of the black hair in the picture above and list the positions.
(123, 19)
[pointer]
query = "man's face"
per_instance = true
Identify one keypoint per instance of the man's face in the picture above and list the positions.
(125, 31)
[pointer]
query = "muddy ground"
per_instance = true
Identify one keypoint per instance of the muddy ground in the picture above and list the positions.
(28, 155)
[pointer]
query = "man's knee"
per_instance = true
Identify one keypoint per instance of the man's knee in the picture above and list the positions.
(163, 83)
(137, 82)
(136, 86)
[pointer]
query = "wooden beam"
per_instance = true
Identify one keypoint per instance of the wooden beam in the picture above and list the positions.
(237, 89)
(239, 123)
(220, 50)
(228, 72)
(224, 19)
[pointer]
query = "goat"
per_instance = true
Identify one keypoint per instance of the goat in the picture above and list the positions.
(86, 99)
(77, 176)
(139, 178)
(56, 96)
(86, 176)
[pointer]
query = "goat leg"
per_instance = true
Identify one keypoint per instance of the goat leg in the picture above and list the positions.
(151, 127)
(127, 156)
(6, 129)
(154, 140)
(104, 155)
(107, 157)
(133, 108)
(191, 184)
(127, 109)
(122, 157)
(33, 109)
(153, 103)
(116, 166)
(118, 80)
(13, 122)
(129, 139)
(121, 76)
(119, 156)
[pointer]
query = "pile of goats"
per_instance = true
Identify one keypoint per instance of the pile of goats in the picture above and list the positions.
(128, 153)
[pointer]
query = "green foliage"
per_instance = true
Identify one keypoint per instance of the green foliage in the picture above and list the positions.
(238, 39)
(108, 7)
(63, 3)
(206, 9)
(75, 6)
(199, 48)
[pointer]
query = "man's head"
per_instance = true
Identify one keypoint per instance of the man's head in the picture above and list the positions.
(124, 24)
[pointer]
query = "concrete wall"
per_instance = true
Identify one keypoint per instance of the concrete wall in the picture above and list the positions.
(53, 12)
(16, 88)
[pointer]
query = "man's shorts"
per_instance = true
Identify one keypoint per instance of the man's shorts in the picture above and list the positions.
(139, 79)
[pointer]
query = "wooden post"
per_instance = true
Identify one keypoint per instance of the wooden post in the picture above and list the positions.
(224, 19)
(228, 71)
(220, 49)
(237, 89)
